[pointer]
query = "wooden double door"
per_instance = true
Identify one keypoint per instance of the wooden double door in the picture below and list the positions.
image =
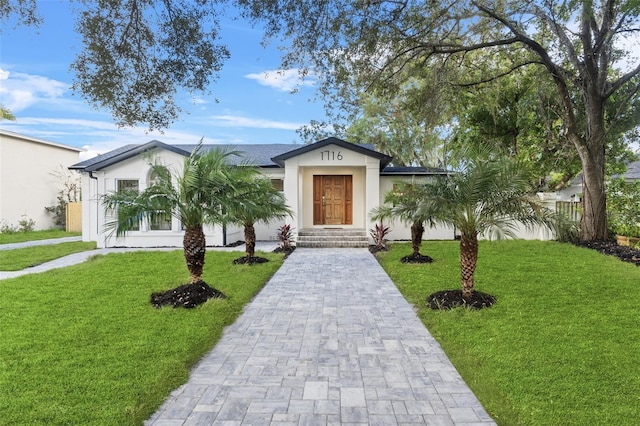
(332, 199)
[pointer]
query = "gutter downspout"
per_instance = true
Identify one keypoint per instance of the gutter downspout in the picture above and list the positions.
(91, 176)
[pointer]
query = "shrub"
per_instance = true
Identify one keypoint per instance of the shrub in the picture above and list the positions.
(623, 207)
(567, 229)
(379, 234)
(7, 228)
(285, 237)
(26, 224)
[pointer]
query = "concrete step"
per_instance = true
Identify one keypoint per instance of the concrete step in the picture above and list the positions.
(332, 237)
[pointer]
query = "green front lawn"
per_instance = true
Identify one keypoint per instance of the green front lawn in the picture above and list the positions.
(18, 259)
(19, 237)
(83, 346)
(561, 345)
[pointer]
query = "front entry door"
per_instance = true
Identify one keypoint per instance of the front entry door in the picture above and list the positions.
(332, 200)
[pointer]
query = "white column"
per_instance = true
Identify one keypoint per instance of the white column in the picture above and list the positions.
(292, 194)
(372, 180)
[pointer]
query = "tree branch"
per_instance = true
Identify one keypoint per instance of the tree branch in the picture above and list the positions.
(502, 74)
(622, 81)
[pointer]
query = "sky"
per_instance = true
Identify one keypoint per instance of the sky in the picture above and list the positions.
(254, 99)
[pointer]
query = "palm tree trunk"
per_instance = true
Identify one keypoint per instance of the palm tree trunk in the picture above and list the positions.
(195, 247)
(249, 239)
(417, 230)
(468, 261)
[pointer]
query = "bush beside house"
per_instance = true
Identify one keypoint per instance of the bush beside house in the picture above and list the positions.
(623, 206)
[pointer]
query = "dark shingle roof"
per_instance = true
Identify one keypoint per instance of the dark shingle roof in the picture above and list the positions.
(256, 154)
(102, 157)
(261, 155)
(633, 171)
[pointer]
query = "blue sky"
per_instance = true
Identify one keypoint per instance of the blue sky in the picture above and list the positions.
(255, 104)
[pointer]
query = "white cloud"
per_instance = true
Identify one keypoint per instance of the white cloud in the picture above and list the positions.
(283, 80)
(257, 123)
(199, 101)
(102, 136)
(20, 91)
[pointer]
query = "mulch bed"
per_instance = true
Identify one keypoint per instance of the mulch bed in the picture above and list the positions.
(611, 248)
(416, 258)
(250, 260)
(377, 249)
(286, 252)
(186, 296)
(449, 299)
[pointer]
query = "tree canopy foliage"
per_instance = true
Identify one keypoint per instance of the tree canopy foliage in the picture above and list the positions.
(408, 124)
(138, 54)
(581, 46)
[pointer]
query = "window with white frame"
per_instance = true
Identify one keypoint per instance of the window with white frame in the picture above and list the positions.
(123, 185)
(158, 221)
(278, 184)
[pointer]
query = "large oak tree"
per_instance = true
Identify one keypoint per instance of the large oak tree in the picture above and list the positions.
(580, 45)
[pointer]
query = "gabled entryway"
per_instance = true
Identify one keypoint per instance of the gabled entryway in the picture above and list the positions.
(332, 184)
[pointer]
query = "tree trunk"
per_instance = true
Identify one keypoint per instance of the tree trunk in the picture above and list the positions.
(468, 262)
(417, 230)
(591, 150)
(250, 239)
(594, 204)
(195, 247)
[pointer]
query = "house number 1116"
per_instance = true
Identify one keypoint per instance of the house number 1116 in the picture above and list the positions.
(330, 155)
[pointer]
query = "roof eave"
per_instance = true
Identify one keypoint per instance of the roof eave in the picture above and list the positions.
(384, 159)
(132, 153)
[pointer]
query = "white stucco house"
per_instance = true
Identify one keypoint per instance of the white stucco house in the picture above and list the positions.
(27, 177)
(331, 186)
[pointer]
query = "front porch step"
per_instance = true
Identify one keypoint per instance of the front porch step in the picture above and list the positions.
(332, 237)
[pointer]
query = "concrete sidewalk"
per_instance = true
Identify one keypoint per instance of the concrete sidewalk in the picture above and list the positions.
(76, 258)
(328, 341)
(14, 246)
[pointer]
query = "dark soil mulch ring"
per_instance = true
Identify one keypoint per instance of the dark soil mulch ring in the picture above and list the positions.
(624, 253)
(186, 296)
(246, 260)
(286, 252)
(236, 244)
(377, 249)
(450, 299)
(416, 258)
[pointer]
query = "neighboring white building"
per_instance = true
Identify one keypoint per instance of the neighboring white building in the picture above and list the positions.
(328, 184)
(27, 180)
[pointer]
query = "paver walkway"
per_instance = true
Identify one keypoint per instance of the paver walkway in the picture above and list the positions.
(329, 340)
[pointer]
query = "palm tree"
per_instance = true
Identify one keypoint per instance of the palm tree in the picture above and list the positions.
(260, 202)
(488, 196)
(198, 196)
(402, 203)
